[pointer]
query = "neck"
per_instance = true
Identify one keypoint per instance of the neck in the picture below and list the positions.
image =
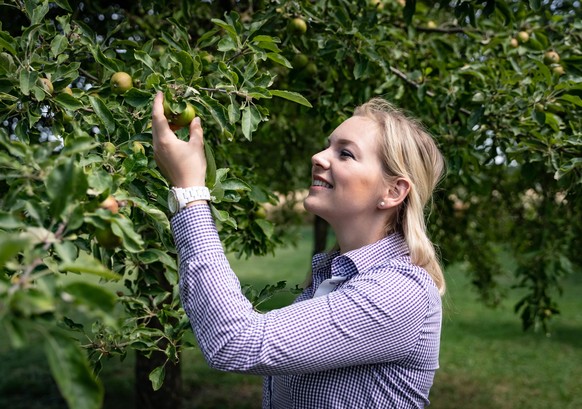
(358, 233)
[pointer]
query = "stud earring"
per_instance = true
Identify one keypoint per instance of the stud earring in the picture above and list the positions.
(381, 204)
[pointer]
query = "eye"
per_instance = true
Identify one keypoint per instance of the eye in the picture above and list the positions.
(344, 153)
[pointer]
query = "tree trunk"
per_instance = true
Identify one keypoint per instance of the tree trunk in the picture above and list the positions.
(320, 229)
(169, 396)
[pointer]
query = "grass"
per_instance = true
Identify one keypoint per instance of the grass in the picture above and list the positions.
(486, 360)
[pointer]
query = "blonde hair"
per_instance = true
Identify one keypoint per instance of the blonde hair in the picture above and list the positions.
(408, 151)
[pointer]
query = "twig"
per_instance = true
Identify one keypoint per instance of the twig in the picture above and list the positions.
(88, 75)
(431, 94)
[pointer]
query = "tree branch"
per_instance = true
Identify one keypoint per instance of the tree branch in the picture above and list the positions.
(431, 94)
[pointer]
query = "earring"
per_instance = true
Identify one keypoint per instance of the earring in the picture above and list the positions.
(381, 204)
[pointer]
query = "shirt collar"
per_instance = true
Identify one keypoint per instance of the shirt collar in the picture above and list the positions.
(390, 247)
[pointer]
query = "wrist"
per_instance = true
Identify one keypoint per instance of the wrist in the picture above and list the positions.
(179, 198)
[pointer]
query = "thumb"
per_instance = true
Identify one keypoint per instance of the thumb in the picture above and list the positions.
(196, 132)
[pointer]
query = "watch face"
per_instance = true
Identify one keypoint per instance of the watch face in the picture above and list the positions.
(172, 202)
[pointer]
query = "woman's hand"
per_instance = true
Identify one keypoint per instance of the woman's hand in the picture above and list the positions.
(182, 163)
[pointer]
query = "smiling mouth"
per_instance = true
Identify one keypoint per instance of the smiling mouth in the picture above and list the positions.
(321, 183)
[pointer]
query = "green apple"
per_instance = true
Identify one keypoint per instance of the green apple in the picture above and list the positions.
(551, 57)
(178, 120)
(300, 61)
(298, 26)
(106, 238)
(47, 85)
(121, 82)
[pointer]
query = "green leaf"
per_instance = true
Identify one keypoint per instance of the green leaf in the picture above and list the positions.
(228, 28)
(574, 99)
(95, 297)
(7, 64)
(138, 98)
(64, 4)
(14, 329)
(39, 13)
(72, 373)
(59, 44)
(110, 63)
(10, 245)
(475, 117)
(27, 81)
(226, 44)
(103, 113)
(157, 376)
(145, 58)
(8, 43)
(65, 182)
(210, 165)
(535, 4)
(9, 221)
(266, 226)
(187, 65)
(250, 121)
(235, 184)
(68, 102)
(123, 228)
(292, 96)
(223, 216)
(279, 59)
(87, 264)
(539, 117)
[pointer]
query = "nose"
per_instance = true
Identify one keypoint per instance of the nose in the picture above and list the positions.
(320, 159)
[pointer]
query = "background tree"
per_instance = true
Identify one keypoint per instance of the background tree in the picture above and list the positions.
(497, 82)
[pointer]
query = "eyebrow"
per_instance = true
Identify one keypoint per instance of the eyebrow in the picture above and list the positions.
(342, 141)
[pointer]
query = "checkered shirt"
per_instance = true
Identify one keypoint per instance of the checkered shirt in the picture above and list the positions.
(370, 340)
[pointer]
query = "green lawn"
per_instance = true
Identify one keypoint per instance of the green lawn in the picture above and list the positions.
(486, 360)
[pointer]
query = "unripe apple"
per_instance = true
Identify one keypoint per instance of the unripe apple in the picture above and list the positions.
(514, 43)
(298, 26)
(179, 120)
(68, 90)
(109, 148)
(110, 203)
(121, 82)
(431, 24)
(300, 61)
(377, 4)
(106, 238)
(551, 57)
(558, 69)
(137, 147)
(47, 85)
(311, 69)
(523, 36)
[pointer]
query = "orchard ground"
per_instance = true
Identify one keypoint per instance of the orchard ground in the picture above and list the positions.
(486, 359)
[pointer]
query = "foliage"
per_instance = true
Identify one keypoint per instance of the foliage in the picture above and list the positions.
(507, 121)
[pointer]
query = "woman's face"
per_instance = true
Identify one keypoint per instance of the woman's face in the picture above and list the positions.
(347, 179)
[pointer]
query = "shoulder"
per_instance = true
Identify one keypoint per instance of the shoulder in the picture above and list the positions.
(399, 281)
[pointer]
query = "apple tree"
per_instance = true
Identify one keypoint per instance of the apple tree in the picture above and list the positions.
(87, 259)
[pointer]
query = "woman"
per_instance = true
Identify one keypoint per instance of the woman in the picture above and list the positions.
(366, 332)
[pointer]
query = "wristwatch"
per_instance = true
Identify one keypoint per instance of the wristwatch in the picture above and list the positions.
(179, 197)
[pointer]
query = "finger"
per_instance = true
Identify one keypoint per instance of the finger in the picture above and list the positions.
(196, 132)
(159, 121)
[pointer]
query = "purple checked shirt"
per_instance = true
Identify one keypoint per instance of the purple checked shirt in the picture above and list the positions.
(365, 335)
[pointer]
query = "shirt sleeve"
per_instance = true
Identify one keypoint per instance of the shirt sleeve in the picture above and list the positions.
(365, 321)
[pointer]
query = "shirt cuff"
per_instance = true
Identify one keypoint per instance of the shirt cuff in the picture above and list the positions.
(195, 232)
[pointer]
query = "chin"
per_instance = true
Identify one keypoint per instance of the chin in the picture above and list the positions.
(312, 208)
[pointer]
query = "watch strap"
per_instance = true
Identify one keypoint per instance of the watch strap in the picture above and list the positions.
(190, 194)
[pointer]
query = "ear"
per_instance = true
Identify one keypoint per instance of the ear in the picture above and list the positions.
(395, 194)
